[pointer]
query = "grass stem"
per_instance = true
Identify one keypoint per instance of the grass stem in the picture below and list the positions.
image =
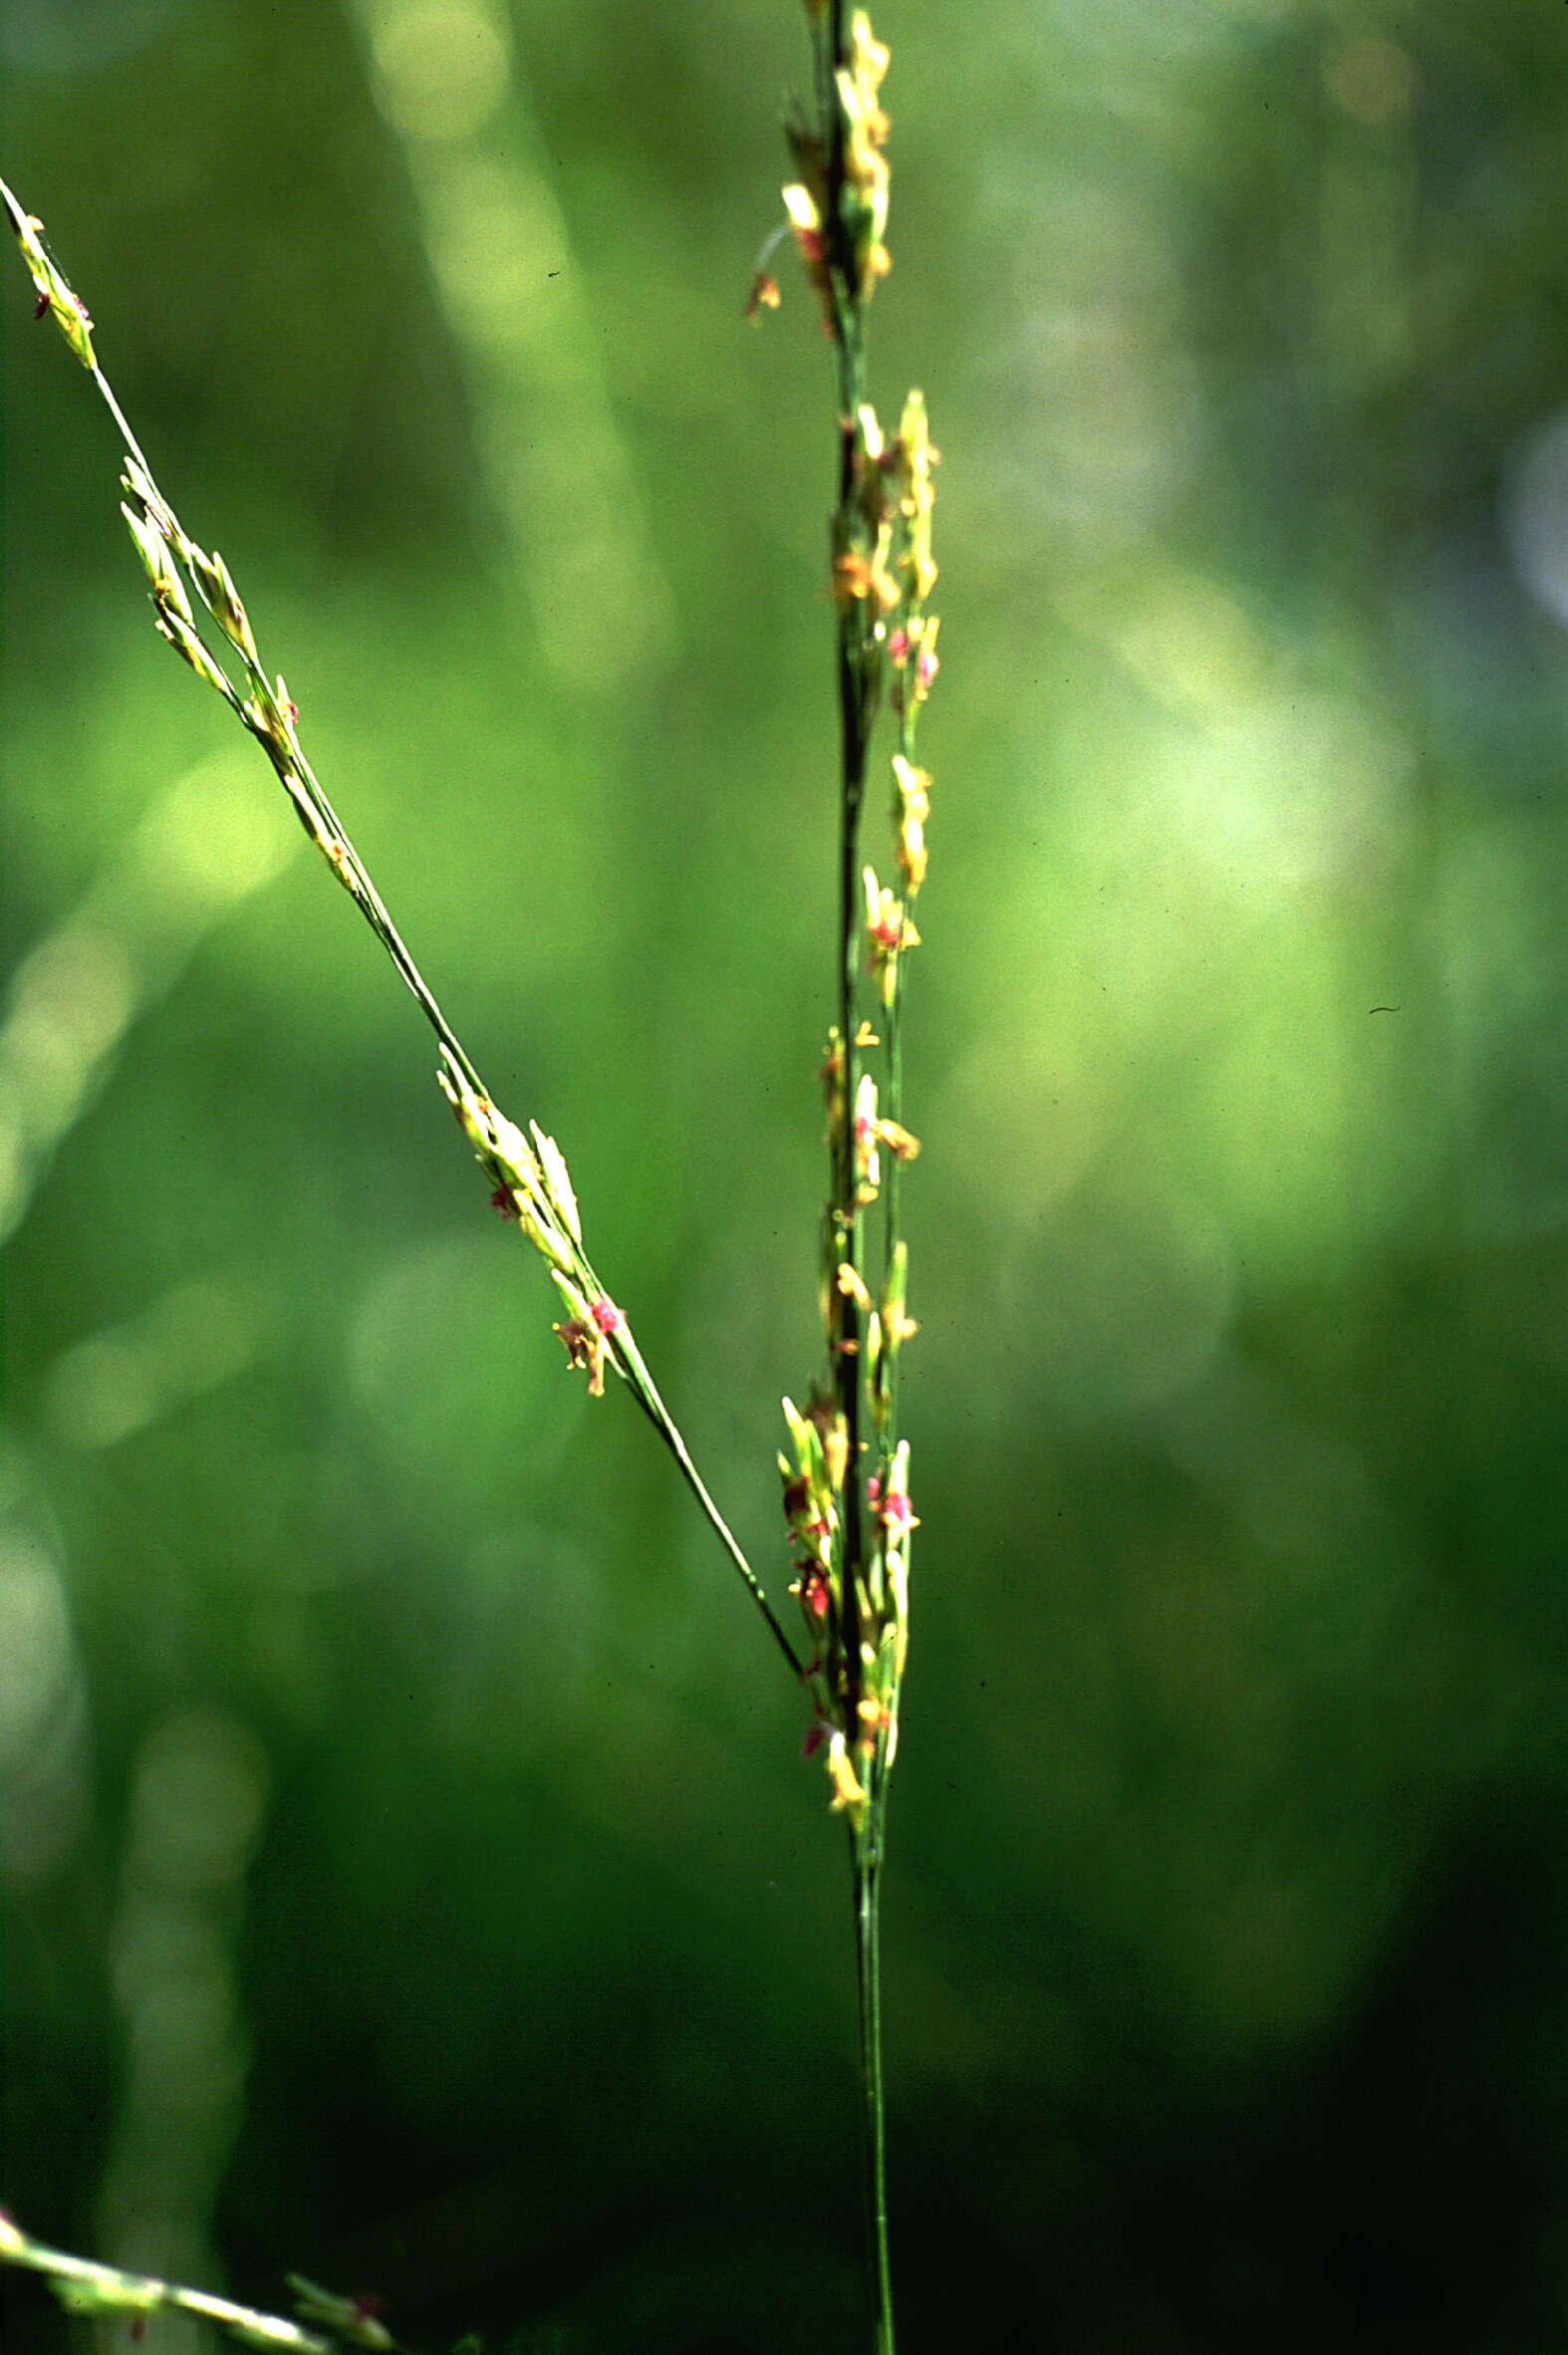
(531, 1182)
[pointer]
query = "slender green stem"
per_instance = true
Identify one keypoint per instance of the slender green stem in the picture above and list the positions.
(867, 1856)
(647, 1394)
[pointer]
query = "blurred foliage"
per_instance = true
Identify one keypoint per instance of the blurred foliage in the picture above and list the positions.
(409, 1875)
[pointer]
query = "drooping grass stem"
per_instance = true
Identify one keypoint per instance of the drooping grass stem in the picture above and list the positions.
(107, 2294)
(647, 1394)
(530, 1180)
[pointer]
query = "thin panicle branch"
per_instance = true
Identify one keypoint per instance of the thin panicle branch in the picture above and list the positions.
(97, 2291)
(528, 1175)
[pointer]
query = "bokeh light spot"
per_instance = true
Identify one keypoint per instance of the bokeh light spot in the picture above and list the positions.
(35, 1646)
(1373, 81)
(1535, 512)
(442, 68)
(195, 1336)
(43, 1714)
(214, 836)
(199, 1802)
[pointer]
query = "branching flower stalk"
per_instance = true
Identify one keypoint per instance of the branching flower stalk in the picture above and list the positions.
(846, 1478)
(93, 2291)
(846, 1481)
(528, 1175)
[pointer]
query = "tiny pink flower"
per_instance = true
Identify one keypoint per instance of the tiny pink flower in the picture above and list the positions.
(814, 1594)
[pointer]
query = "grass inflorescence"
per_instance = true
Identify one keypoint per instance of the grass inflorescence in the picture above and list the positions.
(846, 1474)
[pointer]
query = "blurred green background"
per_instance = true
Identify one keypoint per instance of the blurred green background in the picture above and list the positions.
(409, 1873)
